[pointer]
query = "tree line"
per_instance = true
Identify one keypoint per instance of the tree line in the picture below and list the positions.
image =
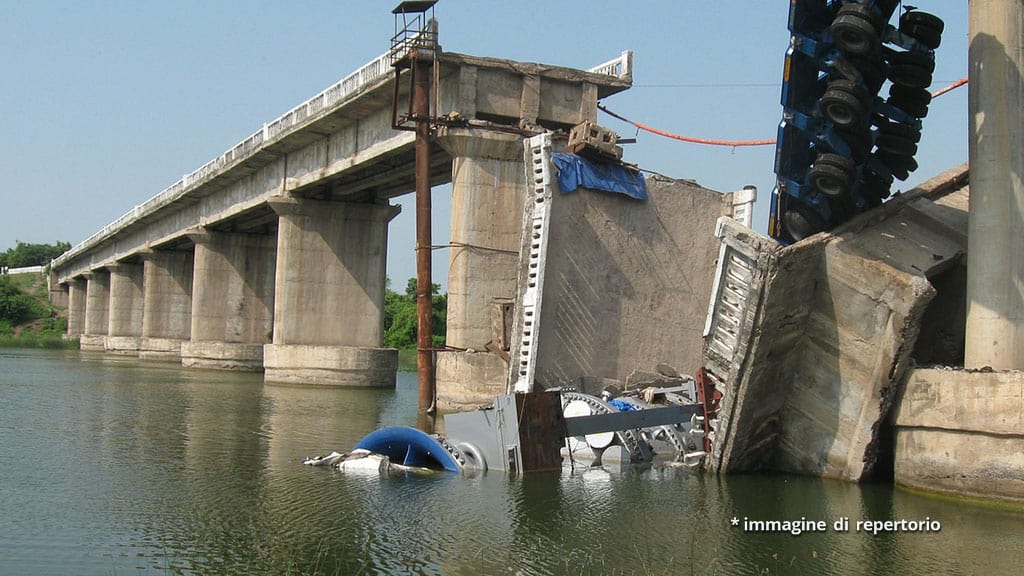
(24, 254)
(400, 316)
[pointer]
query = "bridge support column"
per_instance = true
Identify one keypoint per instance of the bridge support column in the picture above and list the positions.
(125, 329)
(232, 300)
(995, 235)
(97, 310)
(76, 307)
(167, 303)
(329, 304)
(488, 187)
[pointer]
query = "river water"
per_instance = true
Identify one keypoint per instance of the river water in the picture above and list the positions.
(113, 466)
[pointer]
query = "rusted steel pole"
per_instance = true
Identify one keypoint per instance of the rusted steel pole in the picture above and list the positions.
(424, 295)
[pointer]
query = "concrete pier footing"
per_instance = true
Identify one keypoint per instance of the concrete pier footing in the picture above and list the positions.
(961, 432)
(331, 365)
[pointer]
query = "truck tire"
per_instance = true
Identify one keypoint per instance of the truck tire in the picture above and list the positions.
(912, 58)
(872, 72)
(854, 33)
(901, 130)
(895, 144)
(913, 101)
(916, 17)
(910, 76)
(844, 103)
(926, 35)
(900, 166)
(858, 139)
(800, 222)
(831, 174)
(873, 188)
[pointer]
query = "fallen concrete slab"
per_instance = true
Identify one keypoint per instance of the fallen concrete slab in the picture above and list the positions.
(626, 282)
(808, 343)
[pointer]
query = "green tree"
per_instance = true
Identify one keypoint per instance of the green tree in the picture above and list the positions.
(24, 254)
(400, 321)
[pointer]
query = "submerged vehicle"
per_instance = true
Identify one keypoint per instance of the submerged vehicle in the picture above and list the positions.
(539, 430)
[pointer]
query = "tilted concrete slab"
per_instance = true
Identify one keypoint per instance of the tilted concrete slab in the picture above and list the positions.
(626, 282)
(808, 343)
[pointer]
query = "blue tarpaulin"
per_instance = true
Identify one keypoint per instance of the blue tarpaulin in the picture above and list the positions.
(574, 171)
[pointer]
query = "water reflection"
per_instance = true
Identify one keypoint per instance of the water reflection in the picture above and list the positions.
(110, 465)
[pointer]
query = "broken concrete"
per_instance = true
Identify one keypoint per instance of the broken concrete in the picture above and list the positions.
(808, 343)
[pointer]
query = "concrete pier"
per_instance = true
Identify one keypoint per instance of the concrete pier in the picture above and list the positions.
(77, 295)
(97, 310)
(329, 294)
(995, 314)
(125, 329)
(488, 186)
(167, 303)
(232, 300)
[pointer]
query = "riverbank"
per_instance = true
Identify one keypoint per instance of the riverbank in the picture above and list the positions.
(27, 318)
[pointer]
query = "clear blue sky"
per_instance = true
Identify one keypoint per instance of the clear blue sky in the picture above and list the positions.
(103, 104)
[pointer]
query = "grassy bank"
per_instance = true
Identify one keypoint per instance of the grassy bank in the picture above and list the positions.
(27, 319)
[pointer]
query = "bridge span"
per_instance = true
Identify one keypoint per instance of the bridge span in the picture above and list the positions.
(272, 255)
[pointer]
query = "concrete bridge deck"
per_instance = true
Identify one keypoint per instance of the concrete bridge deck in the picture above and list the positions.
(271, 256)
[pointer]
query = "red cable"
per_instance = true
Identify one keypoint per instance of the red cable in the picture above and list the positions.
(687, 138)
(949, 88)
(735, 143)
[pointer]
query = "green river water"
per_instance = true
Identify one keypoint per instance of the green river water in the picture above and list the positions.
(113, 466)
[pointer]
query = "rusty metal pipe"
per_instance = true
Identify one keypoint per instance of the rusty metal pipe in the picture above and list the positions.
(424, 294)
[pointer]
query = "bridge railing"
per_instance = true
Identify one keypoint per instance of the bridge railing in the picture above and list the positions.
(274, 130)
(322, 103)
(621, 67)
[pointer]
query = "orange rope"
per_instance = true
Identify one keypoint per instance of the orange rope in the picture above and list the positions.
(736, 143)
(687, 138)
(949, 88)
